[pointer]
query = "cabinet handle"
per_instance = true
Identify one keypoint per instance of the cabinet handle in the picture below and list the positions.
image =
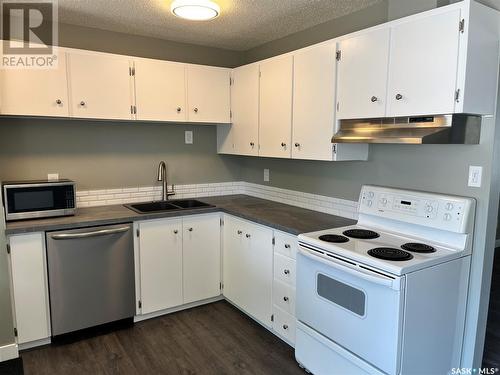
(297, 144)
(286, 272)
(287, 246)
(190, 229)
(285, 326)
(176, 231)
(82, 104)
(58, 101)
(195, 110)
(179, 109)
(247, 235)
(283, 144)
(285, 299)
(239, 232)
(374, 99)
(399, 96)
(252, 144)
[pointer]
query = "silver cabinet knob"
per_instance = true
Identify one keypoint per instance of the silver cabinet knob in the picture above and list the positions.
(176, 231)
(179, 109)
(399, 96)
(285, 326)
(58, 101)
(82, 103)
(285, 299)
(283, 144)
(252, 144)
(239, 232)
(297, 144)
(195, 110)
(248, 235)
(287, 246)
(374, 99)
(286, 272)
(190, 229)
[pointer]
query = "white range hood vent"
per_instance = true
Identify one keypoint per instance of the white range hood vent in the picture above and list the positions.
(439, 129)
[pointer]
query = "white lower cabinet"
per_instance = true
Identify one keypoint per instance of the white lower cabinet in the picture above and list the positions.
(30, 287)
(179, 261)
(248, 267)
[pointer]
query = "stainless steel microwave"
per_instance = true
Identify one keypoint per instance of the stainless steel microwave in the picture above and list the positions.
(38, 199)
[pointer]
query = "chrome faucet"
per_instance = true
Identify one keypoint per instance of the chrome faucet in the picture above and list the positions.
(162, 176)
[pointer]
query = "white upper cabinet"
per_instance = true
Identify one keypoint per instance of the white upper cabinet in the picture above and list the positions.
(201, 257)
(423, 65)
(160, 90)
(275, 117)
(245, 109)
(208, 94)
(100, 86)
(362, 75)
(35, 92)
(313, 102)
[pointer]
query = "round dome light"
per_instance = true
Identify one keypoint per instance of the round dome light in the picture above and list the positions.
(195, 10)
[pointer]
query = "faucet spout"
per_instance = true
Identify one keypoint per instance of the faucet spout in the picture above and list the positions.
(162, 176)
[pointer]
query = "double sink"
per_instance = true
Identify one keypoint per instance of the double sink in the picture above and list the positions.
(162, 206)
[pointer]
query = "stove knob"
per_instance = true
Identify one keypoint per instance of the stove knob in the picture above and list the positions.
(371, 194)
(447, 217)
(449, 206)
(369, 203)
(383, 201)
(428, 208)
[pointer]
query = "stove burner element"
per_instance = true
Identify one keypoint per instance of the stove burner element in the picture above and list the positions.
(389, 253)
(363, 234)
(418, 247)
(333, 238)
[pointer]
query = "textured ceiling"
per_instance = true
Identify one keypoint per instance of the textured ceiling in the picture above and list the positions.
(243, 24)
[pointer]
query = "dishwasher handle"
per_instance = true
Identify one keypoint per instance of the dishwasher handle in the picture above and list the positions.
(96, 233)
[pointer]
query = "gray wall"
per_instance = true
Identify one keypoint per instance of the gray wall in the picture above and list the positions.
(103, 154)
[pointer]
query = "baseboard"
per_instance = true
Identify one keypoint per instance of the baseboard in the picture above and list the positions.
(140, 318)
(8, 352)
(34, 344)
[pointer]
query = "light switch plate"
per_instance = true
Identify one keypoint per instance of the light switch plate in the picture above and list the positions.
(266, 175)
(475, 176)
(52, 176)
(188, 137)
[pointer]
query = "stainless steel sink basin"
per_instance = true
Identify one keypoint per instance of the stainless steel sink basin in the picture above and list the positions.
(161, 206)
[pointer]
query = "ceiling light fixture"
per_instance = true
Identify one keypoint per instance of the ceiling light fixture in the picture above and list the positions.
(195, 10)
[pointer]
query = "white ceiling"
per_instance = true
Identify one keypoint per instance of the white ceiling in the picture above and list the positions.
(243, 24)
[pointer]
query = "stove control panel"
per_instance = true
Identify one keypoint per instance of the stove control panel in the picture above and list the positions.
(435, 210)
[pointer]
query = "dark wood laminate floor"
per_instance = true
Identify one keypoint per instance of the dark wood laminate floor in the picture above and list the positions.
(491, 356)
(211, 339)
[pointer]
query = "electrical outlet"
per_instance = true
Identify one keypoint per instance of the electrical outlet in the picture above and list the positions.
(475, 176)
(52, 176)
(266, 175)
(188, 137)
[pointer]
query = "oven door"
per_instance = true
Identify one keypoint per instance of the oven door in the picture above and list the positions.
(356, 308)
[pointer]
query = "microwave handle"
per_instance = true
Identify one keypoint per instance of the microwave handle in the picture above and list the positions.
(358, 272)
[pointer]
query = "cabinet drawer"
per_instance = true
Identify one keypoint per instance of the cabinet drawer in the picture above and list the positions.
(286, 244)
(284, 269)
(284, 297)
(284, 324)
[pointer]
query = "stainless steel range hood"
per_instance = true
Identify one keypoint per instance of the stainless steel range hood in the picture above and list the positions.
(441, 129)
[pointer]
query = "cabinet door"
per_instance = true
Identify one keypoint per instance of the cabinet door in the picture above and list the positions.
(30, 287)
(362, 75)
(160, 90)
(35, 92)
(208, 94)
(248, 270)
(245, 109)
(201, 257)
(160, 257)
(100, 86)
(275, 117)
(423, 67)
(313, 103)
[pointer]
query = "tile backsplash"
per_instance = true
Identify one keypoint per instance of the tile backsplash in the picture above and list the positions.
(321, 203)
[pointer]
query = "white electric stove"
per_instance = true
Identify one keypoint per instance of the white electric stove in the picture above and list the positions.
(388, 294)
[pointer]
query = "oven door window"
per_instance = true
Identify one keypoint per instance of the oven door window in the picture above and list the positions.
(39, 199)
(346, 296)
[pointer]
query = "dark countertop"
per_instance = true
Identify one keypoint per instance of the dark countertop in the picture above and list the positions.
(279, 216)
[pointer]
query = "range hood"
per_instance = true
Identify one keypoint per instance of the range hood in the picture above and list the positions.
(440, 129)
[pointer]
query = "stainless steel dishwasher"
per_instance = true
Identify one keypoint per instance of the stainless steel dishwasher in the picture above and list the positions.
(91, 276)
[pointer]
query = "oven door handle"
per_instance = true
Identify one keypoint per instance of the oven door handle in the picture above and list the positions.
(393, 283)
(97, 233)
